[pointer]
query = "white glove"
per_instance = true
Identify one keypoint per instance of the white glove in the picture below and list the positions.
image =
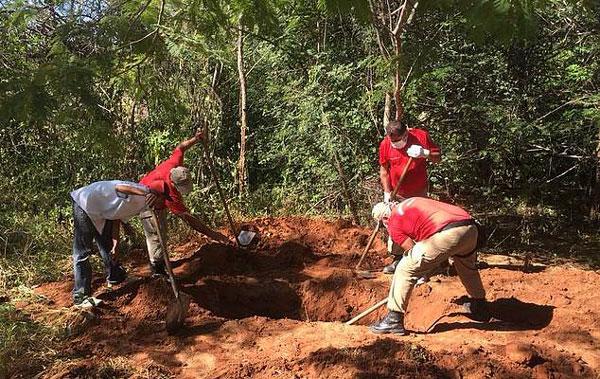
(386, 197)
(417, 151)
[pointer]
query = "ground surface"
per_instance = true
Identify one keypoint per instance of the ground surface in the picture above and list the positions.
(277, 310)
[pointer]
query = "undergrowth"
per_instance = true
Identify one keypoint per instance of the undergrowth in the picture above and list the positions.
(24, 343)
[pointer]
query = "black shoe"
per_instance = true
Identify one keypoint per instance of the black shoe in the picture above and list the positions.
(393, 322)
(158, 269)
(477, 310)
(118, 275)
(391, 268)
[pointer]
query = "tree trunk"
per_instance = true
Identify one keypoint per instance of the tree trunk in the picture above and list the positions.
(345, 189)
(398, 86)
(595, 190)
(387, 110)
(242, 164)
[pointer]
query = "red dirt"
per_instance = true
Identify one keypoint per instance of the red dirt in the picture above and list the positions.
(276, 311)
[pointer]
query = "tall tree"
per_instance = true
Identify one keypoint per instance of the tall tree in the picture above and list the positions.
(243, 113)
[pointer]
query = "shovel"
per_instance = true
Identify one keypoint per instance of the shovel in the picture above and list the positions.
(242, 237)
(367, 274)
(177, 310)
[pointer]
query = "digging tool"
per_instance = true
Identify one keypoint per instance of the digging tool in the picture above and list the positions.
(367, 274)
(177, 310)
(242, 237)
(366, 312)
(384, 301)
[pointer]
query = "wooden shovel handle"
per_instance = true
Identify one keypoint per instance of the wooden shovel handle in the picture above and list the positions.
(402, 176)
(367, 312)
(392, 197)
(163, 246)
(371, 239)
(211, 167)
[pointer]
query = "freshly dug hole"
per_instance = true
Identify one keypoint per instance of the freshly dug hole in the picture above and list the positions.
(337, 297)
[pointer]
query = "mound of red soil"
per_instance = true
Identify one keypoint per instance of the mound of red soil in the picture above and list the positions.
(277, 309)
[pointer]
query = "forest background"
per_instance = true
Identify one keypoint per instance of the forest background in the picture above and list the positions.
(295, 95)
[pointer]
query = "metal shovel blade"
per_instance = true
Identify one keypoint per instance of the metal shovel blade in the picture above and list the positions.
(177, 312)
(245, 237)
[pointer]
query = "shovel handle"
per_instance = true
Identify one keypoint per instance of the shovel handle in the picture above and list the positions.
(392, 197)
(163, 246)
(371, 239)
(366, 312)
(402, 176)
(211, 167)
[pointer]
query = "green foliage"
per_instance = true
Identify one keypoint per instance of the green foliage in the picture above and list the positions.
(21, 338)
(92, 91)
(358, 8)
(35, 248)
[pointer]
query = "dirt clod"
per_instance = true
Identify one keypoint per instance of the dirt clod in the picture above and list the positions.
(521, 353)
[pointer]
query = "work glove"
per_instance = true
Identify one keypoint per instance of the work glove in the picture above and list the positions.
(417, 151)
(386, 197)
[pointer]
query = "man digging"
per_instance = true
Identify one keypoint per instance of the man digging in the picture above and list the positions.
(178, 182)
(98, 210)
(396, 149)
(430, 232)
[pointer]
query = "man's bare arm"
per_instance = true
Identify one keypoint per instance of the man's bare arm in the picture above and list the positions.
(116, 227)
(200, 227)
(129, 190)
(184, 145)
(152, 197)
(435, 157)
(407, 244)
(384, 176)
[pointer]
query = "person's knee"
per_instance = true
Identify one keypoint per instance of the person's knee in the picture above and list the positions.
(406, 272)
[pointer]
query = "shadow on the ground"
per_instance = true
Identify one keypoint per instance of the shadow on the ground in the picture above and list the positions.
(384, 358)
(508, 314)
(512, 267)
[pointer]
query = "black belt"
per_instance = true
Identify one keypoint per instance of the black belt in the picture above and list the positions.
(457, 224)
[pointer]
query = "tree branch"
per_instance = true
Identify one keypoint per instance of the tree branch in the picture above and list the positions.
(563, 174)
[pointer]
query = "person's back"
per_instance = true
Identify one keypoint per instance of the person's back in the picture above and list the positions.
(430, 232)
(101, 201)
(98, 210)
(419, 218)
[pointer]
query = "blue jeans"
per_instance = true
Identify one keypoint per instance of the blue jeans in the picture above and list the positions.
(84, 234)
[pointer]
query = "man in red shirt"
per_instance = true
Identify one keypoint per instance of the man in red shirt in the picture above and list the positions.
(430, 232)
(177, 181)
(400, 144)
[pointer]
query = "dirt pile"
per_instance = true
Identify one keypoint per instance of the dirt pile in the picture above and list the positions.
(276, 310)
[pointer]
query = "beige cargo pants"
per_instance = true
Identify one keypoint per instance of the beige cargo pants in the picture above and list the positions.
(428, 254)
(152, 240)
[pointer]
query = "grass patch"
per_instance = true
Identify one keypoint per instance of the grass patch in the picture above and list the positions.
(35, 248)
(24, 343)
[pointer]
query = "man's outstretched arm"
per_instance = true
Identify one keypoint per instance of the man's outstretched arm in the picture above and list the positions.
(200, 227)
(184, 145)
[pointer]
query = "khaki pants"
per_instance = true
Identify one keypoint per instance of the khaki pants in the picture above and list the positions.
(428, 254)
(152, 240)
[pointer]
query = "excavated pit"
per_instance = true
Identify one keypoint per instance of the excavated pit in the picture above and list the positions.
(250, 308)
(290, 282)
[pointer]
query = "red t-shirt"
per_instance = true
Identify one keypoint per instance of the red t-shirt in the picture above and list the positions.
(419, 218)
(162, 172)
(415, 182)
